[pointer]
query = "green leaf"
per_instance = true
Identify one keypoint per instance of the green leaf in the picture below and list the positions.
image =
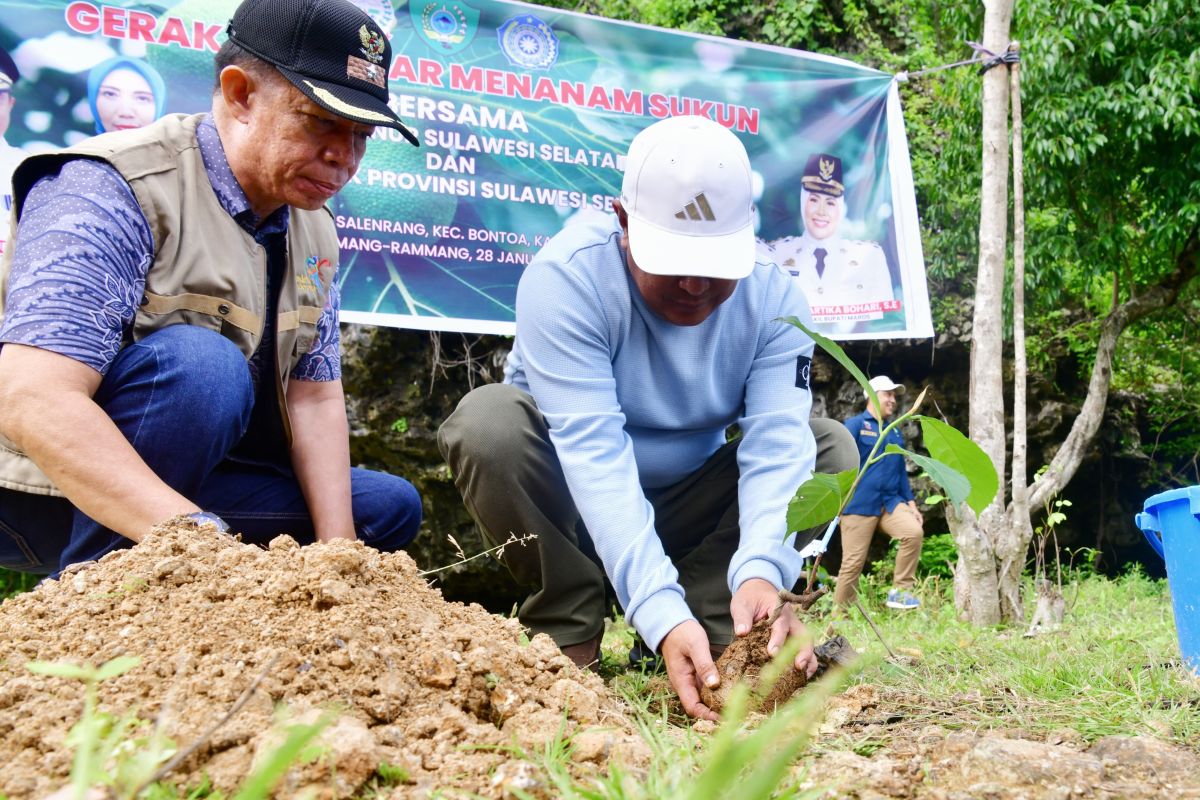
(951, 448)
(60, 669)
(839, 355)
(950, 479)
(819, 499)
(117, 666)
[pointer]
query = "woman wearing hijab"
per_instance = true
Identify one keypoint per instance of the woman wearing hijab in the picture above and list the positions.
(125, 93)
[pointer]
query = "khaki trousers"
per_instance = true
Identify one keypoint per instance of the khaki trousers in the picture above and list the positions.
(498, 447)
(857, 531)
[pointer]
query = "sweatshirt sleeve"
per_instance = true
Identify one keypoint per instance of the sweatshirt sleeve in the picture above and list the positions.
(778, 451)
(567, 347)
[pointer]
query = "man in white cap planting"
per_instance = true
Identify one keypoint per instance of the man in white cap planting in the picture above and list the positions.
(883, 499)
(641, 336)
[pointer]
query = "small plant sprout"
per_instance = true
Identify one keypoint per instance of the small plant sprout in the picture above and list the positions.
(111, 751)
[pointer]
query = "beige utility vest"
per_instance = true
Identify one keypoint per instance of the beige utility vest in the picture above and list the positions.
(207, 270)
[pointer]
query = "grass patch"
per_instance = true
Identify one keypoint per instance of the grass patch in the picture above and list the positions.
(1113, 667)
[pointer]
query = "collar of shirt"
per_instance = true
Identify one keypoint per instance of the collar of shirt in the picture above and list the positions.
(813, 242)
(229, 192)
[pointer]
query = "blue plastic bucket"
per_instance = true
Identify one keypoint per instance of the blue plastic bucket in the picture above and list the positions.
(1171, 523)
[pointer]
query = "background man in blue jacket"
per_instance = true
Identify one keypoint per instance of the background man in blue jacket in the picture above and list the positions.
(883, 499)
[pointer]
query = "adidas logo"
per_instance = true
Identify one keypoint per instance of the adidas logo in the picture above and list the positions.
(698, 209)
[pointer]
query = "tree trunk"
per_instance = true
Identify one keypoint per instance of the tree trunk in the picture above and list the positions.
(975, 537)
(1012, 539)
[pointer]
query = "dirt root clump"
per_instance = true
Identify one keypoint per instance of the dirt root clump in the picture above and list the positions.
(445, 692)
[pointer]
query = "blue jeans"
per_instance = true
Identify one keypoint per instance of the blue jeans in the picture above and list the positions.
(182, 396)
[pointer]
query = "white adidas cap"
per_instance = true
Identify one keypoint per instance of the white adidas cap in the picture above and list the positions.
(687, 191)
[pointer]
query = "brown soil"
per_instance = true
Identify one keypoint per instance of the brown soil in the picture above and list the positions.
(901, 746)
(449, 693)
(743, 660)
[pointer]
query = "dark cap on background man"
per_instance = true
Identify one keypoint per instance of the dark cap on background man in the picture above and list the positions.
(8, 70)
(823, 174)
(330, 50)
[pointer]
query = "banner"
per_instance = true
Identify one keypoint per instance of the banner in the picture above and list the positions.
(524, 114)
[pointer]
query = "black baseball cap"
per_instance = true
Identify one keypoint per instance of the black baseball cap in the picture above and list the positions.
(330, 50)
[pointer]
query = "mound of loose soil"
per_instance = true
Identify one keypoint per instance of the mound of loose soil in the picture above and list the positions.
(442, 690)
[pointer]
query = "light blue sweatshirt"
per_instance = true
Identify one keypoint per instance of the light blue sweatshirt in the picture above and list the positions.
(634, 401)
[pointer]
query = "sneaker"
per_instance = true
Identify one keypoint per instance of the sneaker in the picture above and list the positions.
(902, 599)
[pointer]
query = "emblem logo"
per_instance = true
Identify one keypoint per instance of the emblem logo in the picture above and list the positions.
(698, 209)
(825, 168)
(317, 274)
(446, 27)
(528, 42)
(803, 371)
(373, 44)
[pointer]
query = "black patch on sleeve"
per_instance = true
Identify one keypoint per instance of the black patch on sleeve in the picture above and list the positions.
(803, 367)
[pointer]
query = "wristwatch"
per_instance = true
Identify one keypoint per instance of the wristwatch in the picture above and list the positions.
(208, 518)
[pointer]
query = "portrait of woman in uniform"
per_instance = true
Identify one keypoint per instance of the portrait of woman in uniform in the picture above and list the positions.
(846, 281)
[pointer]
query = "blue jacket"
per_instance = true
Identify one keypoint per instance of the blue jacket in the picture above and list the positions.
(885, 484)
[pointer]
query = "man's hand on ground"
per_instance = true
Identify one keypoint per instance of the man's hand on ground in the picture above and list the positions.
(756, 599)
(688, 660)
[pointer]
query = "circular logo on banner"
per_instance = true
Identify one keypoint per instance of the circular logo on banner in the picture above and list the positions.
(528, 42)
(381, 11)
(447, 27)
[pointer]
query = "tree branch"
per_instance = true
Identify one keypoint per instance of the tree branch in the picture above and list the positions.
(1070, 454)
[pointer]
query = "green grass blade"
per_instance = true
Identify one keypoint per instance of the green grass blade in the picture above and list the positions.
(259, 785)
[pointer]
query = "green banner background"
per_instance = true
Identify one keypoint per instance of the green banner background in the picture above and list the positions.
(437, 237)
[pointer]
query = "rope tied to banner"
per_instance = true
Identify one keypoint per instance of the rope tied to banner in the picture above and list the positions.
(982, 56)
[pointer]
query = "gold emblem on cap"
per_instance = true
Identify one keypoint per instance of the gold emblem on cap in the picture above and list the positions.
(373, 44)
(825, 168)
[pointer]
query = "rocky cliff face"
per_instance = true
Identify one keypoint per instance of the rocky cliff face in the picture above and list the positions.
(401, 384)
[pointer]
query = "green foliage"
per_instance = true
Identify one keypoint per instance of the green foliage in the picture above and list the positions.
(13, 583)
(949, 447)
(958, 465)
(937, 554)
